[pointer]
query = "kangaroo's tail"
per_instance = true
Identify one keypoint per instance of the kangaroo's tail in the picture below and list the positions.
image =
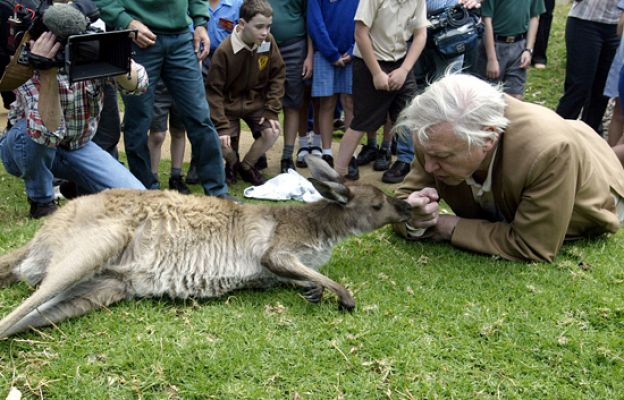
(8, 262)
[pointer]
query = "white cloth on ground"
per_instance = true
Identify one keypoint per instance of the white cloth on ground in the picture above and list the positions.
(285, 186)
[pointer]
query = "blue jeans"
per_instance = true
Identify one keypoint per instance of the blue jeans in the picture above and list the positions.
(90, 167)
(172, 59)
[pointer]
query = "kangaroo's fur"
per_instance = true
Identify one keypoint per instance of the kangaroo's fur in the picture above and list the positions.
(121, 244)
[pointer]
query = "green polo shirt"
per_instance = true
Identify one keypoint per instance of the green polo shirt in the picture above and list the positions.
(289, 20)
(511, 17)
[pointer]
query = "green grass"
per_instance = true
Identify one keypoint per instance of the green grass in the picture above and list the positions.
(431, 322)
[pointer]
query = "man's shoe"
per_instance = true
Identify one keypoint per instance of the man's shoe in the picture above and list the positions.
(286, 164)
(69, 190)
(396, 173)
(262, 163)
(328, 159)
(191, 176)
(353, 172)
(177, 183)
(382, 162)
(367, 155)
(39, 210)
(229, 197)
(304, 151)
(251, 175)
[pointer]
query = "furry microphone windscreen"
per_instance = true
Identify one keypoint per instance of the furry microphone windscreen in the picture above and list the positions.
(64, 20)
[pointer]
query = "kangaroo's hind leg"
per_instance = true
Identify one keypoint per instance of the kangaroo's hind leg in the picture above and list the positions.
(286, 265)
(80, 260)
(98, 292)
(8, 262)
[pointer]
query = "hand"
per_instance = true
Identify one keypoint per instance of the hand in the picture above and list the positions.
(425, 208)
(226, 141)
(144, 37)
(45, 45)
(396, 78)
(201, 41)
(275, 125)
(468, 4)
(308, 65)
(443, 230)
(525, 59)
(380, 81)
(339, 63)
(493, 69)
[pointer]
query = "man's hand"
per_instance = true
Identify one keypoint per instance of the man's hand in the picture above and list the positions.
(493, 69)
(308, 65)
(525, 59)
(425, 208)
(468, 4)
(144, 37)
(396, 78)
(380, 81)
(45, 46)
(443, 230)
(201, 41)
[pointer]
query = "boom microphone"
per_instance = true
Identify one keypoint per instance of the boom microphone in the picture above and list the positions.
(64, 20)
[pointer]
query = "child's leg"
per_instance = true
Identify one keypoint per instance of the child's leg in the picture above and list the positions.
(260, 146)
(154, 143)
(327, 105)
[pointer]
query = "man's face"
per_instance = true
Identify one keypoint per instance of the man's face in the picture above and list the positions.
(449, 158)
(256, 30)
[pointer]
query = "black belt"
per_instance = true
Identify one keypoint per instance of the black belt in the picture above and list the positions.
(509, 39)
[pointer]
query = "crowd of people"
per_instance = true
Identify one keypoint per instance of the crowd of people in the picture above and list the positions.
(520, 178)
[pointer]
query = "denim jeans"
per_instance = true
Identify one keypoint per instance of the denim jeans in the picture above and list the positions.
(172, 59)
(90, 167)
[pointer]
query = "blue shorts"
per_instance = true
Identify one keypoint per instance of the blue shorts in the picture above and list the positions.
(328, 80)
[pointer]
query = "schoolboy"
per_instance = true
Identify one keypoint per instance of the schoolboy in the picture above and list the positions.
(246, 80)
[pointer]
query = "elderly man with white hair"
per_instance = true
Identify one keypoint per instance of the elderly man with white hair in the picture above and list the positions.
(519, 178)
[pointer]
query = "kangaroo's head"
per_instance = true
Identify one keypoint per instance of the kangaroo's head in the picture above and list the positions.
(366, 206)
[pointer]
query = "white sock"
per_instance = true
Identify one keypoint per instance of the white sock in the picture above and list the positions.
(316, 139)
(304, 141)
(328, 151)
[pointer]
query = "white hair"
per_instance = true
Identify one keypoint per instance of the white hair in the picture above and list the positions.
(469, 104)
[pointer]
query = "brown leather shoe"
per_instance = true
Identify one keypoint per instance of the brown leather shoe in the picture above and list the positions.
(250, 174)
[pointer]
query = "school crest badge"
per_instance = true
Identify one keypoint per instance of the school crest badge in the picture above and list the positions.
(263, 61)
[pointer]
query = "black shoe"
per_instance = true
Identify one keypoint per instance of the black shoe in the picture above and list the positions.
(382, 162)
(300, 157)
(339, 125)
(328, 159)
(286, 164)
(177, 183)
(69, 190)
(191, 176)
(39, 210)
(229, 197)
(230, 173)
(353, 173)
(251, 175)
(261, 163)
(367, 155)
(396, 173)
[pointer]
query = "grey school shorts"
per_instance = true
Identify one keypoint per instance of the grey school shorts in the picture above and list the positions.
(293, 53)
(511, 75)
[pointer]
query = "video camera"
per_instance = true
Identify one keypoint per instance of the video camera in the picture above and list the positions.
(86, 53)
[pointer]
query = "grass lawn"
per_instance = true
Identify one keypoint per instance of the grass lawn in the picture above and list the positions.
(431, 322)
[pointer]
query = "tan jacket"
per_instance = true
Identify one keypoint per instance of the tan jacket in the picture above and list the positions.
(552, 180)
(244, 83)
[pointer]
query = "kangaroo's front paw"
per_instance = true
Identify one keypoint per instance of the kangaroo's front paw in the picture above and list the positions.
(314, 294)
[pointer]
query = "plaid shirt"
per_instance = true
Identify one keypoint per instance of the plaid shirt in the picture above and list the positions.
(602, 11)
(81, 103)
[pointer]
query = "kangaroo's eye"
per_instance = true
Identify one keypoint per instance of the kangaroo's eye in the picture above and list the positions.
(377, 206)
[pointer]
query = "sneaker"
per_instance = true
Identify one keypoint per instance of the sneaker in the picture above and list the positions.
(191, 176)
(328, 159)
(304, 151)
(339, 125)
(262, 163)
(251, 175)
(382, 162)
(229, 197)
(177, 183)
(39, 210)
(396, 173)
(286, 164)
(367, 155)
(353, 173)
(230, 173)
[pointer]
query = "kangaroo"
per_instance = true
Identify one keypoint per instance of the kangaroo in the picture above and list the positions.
(121, 244)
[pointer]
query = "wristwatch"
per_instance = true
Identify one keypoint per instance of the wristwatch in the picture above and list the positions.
(529, 50)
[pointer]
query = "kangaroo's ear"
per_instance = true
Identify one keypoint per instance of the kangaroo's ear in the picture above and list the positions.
(320, 170)
(332, 191)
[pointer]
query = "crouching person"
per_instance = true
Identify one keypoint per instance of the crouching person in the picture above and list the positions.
(519, 178)
(47, 141)
(246, 81)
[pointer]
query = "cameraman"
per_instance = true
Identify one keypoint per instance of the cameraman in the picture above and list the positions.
(37, 154)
